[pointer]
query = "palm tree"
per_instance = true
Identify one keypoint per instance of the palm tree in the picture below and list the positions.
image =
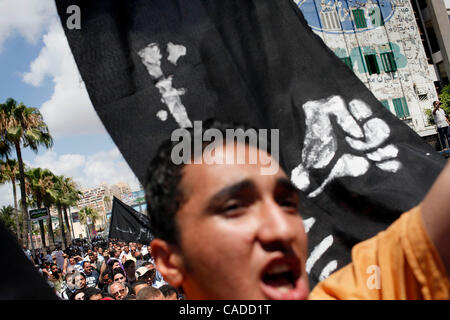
(6, 215)
(22, 126)
(65, 194)
(39, 184)
(9, 170)
(73, 194)
(86, 214)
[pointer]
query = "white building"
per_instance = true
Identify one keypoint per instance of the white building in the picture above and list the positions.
(380, 41)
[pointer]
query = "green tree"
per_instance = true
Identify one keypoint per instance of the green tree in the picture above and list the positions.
(6, 215)
(86, 214)
(9, 170)
(444, 97)
(65, 194)
(73, 194)
(22, 127)
(39, 185)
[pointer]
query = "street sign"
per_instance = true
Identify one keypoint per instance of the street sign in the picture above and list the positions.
(38, 214)
(75, 217)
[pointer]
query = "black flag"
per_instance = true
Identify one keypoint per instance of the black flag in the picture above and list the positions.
(29, 284)
(129, 225)
(151, 66)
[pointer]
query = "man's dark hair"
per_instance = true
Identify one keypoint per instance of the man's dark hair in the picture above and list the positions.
(148, 293)
(72, 297)
(163, 177)
(128, 263)
(137, 283)
(168, 290)
(89, 292)
(84, 262)
(116, 271)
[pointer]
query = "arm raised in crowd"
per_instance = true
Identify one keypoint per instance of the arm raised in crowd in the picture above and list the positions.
(436, 215)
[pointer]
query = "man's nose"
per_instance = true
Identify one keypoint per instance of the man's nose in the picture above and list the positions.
(276, 229)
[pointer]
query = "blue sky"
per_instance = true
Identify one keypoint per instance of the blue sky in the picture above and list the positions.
(38, 69)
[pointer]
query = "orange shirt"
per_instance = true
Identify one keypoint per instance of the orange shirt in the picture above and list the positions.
(398, 263)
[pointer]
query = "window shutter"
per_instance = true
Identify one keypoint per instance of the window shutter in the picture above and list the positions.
(388, 61)
(385, 103)
(398, 108)
(372, 64)
(348, 62)
(360, 20)
(405, 107)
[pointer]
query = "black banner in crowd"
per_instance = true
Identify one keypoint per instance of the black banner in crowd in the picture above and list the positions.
(152, 66)
(128, 224)
(24, 281)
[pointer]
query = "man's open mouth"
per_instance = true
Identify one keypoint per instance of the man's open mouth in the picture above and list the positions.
(281, 280)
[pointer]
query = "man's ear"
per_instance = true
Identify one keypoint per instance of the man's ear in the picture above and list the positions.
(168, 261)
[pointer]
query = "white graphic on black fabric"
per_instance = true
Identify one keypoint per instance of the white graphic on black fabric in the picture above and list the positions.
(144, 234)
(171, 97)
(320, 144)
(125, 231)
(363, 134)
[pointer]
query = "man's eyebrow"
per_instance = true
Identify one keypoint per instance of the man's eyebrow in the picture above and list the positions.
(230, 191)
(287, 184)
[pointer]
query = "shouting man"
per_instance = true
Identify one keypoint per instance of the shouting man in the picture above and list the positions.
(225, 231)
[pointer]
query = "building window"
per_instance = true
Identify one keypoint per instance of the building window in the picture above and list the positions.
(401, 108)
(388, 60)
(330, 20)
(385, 103)
(348, 62)
(360, 20)
(372, 64)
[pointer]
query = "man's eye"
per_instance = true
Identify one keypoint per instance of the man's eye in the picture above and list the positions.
(289, 204)
(231, 208)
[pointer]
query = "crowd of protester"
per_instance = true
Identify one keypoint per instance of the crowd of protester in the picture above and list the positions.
(97, 270)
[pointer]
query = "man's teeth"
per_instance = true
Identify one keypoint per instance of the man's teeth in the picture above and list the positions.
(283, 289)
(279, 268)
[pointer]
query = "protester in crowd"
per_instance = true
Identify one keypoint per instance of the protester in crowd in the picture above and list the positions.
(93, 294)
(229, 232)
(118, 290)
(105, 279)
(56, 277)
(80, 280)
(27, 252)
(169, 292)
(72, 264)
(58, 254)
(124, 254)
(137, 286)
(442, 124)
(139, 259)
(68, 287)
(78, 295)
(38, 257)
(158, 280)
(100, 254)
(91, 275)
(131, 255)
(48, 257)
(147, 256)
(130, 271)
(95, 263)
(149, 293)
(119, 276)
(146, 274)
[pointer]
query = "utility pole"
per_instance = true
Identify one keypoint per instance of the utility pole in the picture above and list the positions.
(31, 237)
